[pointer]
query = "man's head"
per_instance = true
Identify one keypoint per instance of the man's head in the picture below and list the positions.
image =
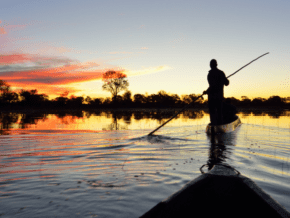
(213, 64)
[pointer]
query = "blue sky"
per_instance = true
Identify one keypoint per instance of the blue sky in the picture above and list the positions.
(161, 45)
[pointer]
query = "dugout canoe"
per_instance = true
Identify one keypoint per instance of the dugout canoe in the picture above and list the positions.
(221, 192)
(229, 127)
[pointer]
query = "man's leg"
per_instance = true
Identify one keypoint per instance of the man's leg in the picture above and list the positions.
(212, 112)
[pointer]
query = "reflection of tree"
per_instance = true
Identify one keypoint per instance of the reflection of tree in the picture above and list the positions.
(7, 120)
(28, 119)
(164, 115)
(117, 115)
(258, 113)
(193, 114)
(138, 115)
(127, 117)
(270, 113)
(69, 116)
(276, 114)
(246, 113)
(76, 114)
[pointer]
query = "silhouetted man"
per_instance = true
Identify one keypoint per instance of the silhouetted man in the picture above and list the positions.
(216, 79)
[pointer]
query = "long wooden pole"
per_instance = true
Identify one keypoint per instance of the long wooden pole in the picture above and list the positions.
(178, 112)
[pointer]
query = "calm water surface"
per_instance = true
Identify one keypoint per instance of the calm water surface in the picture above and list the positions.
(102, 164)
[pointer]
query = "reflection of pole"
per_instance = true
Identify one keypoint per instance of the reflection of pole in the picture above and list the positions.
(175, 115)
(115, 121)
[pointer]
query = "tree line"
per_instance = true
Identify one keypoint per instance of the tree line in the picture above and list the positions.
(120, 119)
(32, 99)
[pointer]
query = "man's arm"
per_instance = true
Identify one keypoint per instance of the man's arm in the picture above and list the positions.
(226, 81)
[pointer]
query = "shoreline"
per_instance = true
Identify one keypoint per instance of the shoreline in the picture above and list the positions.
(241, 109)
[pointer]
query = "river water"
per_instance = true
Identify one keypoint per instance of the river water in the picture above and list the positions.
(103, 164)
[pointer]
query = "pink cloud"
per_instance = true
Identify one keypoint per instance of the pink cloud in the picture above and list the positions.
(8, 27)
(47, 73)
(2, 30)
(14, 58)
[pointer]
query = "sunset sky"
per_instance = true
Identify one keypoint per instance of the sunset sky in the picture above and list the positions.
(66, 45)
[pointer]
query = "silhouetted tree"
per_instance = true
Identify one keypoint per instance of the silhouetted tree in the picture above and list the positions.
(98, 101)
(7, 96)
(32, 99)
(194, 98)
(164, 99)
(88, 99)
(127, 100)
(275, 101)
(176, 99)
(235, 101)
(188, 99)
(139, 100)
(246, 101)
(3, 86)
(10, 97)
(152, 100)
(115, 82)
(258, 101)
(75, 101)
(107, 101)
(61, 101)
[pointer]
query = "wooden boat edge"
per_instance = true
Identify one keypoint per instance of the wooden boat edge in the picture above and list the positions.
(222, 171)
(229, 127)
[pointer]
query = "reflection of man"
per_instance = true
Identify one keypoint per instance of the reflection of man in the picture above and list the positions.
(216, 79)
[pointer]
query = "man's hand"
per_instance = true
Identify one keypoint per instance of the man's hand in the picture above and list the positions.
(206, 92)
(227, 82)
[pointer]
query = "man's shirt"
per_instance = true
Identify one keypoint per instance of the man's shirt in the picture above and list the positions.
(216, 79)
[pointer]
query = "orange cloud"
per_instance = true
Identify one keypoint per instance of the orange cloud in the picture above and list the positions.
(56, 75)
(46, 74)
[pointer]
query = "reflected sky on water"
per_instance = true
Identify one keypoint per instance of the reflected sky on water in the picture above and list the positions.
(124, 120)
(103, 164)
